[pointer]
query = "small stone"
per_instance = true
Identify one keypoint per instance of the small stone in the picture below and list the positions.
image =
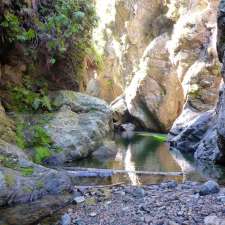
(79, 222)
(139, 193)
(221, 198)
(213, 220)
(66, 219)
(210, 187)
(148, 219)
(169, 184)
(79, 199)
(93, 214)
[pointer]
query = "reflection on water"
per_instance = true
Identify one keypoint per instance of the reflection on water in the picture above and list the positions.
(147, 154)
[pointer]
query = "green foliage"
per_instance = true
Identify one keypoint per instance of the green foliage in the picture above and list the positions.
(56, 30)
(8, 162)
(41, 153)
(10, 180)
(39, 184)
(27, 171)
(20, 139)
(30, 96)
(28, 100)
(40, 142)
(13, 164)
(40, 137)
(14, 30)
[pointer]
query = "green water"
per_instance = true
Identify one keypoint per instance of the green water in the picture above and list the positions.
(145, 152)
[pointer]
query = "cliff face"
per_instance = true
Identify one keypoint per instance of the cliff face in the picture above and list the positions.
(204, 134)
(162, 56)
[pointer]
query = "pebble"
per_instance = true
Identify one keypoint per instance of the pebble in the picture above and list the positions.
(138, 192)
(93, 214)
(221, 198)
(210, 187)
(213, 220)
(66, 219)
(151, 205)
(79, 199)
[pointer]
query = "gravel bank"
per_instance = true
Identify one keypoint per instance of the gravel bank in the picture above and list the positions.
(165, 204)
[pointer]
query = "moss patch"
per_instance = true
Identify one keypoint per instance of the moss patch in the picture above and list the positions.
(27, 171)
(41, 153)
(10, 180)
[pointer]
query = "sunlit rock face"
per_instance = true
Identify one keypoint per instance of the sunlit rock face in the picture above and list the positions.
(125, 30)
(190, 72)
(193, 51)
(203, 133)
(155, 95)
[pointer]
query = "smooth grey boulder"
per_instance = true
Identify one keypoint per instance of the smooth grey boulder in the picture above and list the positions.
(210, 187)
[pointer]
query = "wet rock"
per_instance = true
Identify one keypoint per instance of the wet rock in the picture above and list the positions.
(79, 199)
(210, 187)
(66, 219)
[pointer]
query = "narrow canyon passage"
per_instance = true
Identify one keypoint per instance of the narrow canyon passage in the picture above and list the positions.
(112, 112)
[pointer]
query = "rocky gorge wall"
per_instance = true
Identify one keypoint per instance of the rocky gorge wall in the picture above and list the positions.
(162, 56)
(203, 134)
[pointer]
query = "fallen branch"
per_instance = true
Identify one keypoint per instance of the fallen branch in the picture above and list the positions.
(99, 186)
(93, 172)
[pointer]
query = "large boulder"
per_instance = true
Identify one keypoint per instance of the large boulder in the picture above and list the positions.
(77, 127)
(23, 181)
(155, 95)
(187, 54)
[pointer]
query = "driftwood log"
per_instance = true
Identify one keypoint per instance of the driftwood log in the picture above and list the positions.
(94, 172)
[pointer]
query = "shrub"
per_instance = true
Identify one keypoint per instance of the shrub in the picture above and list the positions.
(55, 29)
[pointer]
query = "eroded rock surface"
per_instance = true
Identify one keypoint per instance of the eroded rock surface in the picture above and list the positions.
(204, 130)
(168, 58)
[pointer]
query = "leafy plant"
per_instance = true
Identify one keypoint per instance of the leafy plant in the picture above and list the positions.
(40, 142)
(24, 98)
(57, 29)
(41, 153)
(40, 137)
(14, 30)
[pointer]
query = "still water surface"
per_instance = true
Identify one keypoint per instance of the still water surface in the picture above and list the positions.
(146, 153)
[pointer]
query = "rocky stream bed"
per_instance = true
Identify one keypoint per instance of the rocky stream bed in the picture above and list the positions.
(169, 203)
